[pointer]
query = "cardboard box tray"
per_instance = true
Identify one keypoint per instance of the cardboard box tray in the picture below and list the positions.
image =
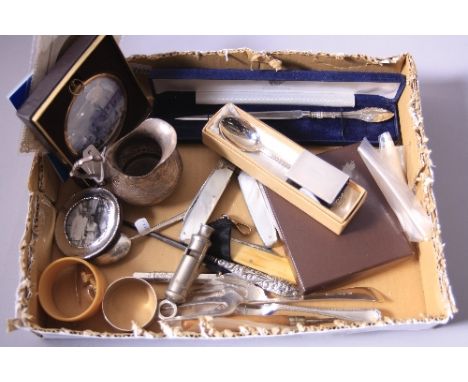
(417, 291)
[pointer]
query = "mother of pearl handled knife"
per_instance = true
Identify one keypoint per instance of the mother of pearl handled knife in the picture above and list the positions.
(368, 114)
(206, 199)
(258, 207)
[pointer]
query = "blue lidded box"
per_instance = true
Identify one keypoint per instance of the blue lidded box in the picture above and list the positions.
(180, 92)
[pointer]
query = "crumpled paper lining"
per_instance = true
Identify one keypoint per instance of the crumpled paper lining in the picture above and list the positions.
(269, 60)
(425, 177)
(24, 290)
(207, 331)
(30, 236)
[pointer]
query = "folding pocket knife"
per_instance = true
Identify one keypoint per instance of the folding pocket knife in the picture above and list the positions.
(206, 199)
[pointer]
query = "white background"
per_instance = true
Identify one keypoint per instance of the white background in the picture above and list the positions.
(443, 72)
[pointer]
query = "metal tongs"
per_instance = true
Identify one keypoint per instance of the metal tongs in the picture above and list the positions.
(232, 295)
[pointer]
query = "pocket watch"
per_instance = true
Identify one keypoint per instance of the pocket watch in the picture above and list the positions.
(96, 113)
(88, 227)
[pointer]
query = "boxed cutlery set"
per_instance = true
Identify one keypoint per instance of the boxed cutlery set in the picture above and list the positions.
(225, 194)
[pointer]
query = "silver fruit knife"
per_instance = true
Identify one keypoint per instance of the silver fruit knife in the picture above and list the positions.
(368, 114)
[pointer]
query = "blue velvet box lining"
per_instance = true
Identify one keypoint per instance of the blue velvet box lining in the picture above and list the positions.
(171, 104)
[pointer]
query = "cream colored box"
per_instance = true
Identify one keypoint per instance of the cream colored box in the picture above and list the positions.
(418, 290)
(274, 175)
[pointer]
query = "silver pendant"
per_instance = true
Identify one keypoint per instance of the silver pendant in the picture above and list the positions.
(88, 227)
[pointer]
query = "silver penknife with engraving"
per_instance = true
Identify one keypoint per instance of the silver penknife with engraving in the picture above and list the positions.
(368, 114)
(206, 199)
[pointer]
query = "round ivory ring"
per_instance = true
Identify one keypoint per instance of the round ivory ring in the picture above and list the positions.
(60, 280)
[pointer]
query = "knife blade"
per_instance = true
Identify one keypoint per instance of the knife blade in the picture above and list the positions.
(206, 199)
(287, 114)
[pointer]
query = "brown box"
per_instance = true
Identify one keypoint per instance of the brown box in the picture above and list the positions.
(272, 178)
(83, 58)
(418, 290)
(359, 249)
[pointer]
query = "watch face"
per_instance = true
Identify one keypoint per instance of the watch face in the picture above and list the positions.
(88, 221)
(96, 114)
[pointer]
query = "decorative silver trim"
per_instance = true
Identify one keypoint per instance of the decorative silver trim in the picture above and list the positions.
(266, 282)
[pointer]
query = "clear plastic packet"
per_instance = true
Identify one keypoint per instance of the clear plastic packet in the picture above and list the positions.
(413, 219)
(391, 155)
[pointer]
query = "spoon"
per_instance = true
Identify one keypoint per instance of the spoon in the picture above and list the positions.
(365, 315)
(242, 134)
(230, 300)
(119, 250)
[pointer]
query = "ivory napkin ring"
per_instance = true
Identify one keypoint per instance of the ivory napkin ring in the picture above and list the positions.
(71, 276)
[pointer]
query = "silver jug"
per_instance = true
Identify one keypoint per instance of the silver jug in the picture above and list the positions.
(144, 167)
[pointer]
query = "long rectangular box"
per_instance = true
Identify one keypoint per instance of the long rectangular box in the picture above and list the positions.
(417, 291)
(274, 177)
